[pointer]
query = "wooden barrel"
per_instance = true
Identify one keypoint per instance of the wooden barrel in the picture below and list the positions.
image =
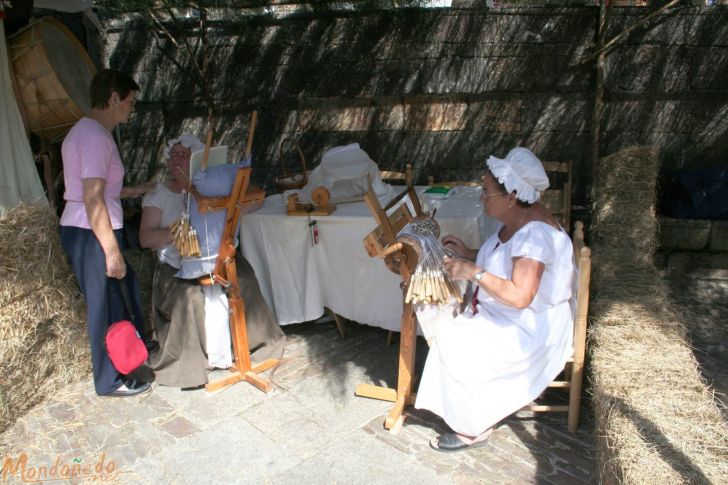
(52, 75)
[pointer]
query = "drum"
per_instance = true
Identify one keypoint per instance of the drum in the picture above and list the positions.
(52, 76)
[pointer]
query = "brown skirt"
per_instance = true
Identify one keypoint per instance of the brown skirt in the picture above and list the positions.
(179, 319)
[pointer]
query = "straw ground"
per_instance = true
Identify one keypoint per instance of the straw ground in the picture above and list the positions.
(43, 342)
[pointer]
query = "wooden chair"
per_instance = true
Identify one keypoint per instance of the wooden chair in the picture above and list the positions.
(390, 176)
(557, 198)
(573, 374)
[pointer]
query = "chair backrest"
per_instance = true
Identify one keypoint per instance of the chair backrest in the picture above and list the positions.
(392, 176)
(557, 199)
(573, 374)
(582, 259)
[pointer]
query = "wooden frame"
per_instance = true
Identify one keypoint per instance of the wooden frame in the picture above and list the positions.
(392, 176)
(558, 200)
(225, 274)
(574, 369)
(402, 259)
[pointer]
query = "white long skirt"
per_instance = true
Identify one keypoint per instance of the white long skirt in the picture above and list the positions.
(482, 368)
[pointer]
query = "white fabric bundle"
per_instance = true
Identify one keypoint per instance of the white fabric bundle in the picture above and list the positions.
(217, 327)
(187, 141)
(521, 171)
(345, 171)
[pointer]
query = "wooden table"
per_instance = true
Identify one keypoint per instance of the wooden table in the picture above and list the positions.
(299, 279)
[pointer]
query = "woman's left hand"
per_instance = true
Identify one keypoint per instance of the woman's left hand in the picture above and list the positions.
(459, 269)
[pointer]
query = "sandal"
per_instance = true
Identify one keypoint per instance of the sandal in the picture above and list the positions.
(449, 442)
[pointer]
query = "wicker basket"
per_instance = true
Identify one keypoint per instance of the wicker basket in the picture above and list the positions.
(291, 180)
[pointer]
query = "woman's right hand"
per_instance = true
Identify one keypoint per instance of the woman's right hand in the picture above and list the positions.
(457, 246)
(115, 265)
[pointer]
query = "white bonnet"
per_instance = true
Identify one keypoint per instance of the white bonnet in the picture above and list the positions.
(521, 171)
(187, 141)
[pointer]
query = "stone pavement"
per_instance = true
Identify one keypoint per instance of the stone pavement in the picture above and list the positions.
(309, 429)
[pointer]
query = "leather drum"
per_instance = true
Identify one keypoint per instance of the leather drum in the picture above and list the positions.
(52, 75)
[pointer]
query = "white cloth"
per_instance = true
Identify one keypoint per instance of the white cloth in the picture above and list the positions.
(483, 367)
(521, 171)
(187, 141)
(172, 206)
(298, 280)
(20, 181)
(217, 327)
(346, 172)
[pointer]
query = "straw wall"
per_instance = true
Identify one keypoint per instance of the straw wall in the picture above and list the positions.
(657, 420)
(43, 342)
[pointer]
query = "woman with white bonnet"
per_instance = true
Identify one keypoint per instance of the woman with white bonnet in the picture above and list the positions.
(179, 304)
(515, 335)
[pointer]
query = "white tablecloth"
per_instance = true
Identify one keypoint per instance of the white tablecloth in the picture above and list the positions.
(298, 280)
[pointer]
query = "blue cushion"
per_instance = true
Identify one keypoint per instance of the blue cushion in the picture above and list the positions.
(216, 181)
(213, 182)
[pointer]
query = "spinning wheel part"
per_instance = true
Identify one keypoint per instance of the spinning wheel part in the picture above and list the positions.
(319, 207)
(429, 283)
(320, 196)
(426, 225)
(393, 261)
(400, 258)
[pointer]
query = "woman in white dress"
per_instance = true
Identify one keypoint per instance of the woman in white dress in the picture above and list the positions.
(516, 335)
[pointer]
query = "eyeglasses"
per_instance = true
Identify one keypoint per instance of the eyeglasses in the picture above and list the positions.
(485, 195)
(179, 154)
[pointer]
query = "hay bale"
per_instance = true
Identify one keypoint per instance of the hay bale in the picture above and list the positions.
(43, 339)
(657, 420)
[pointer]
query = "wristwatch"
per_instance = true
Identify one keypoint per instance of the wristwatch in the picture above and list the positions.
(478, 275)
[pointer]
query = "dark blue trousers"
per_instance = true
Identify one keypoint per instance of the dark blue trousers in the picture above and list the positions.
(104, 301)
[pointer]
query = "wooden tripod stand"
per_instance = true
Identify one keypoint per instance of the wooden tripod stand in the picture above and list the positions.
(400, 258)
(225, 273)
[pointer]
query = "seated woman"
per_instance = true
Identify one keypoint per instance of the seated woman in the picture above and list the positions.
(179, 304)
(515, 337)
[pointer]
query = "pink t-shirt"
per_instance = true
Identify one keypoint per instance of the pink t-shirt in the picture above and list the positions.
(89, 151)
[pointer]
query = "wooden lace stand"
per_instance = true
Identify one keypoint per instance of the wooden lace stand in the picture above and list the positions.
(225, 272)
(400, 258)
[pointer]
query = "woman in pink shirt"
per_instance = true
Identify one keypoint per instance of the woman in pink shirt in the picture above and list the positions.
(91, 223)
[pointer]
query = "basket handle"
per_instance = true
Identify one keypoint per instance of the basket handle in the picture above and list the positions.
(281, 159)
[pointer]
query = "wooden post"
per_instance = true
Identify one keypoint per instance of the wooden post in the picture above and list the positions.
(599, 87)
(251, 134)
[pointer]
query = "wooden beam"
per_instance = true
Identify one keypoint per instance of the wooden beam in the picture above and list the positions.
(599, 87)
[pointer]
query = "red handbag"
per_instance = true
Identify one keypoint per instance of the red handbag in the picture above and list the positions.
(125, 347)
